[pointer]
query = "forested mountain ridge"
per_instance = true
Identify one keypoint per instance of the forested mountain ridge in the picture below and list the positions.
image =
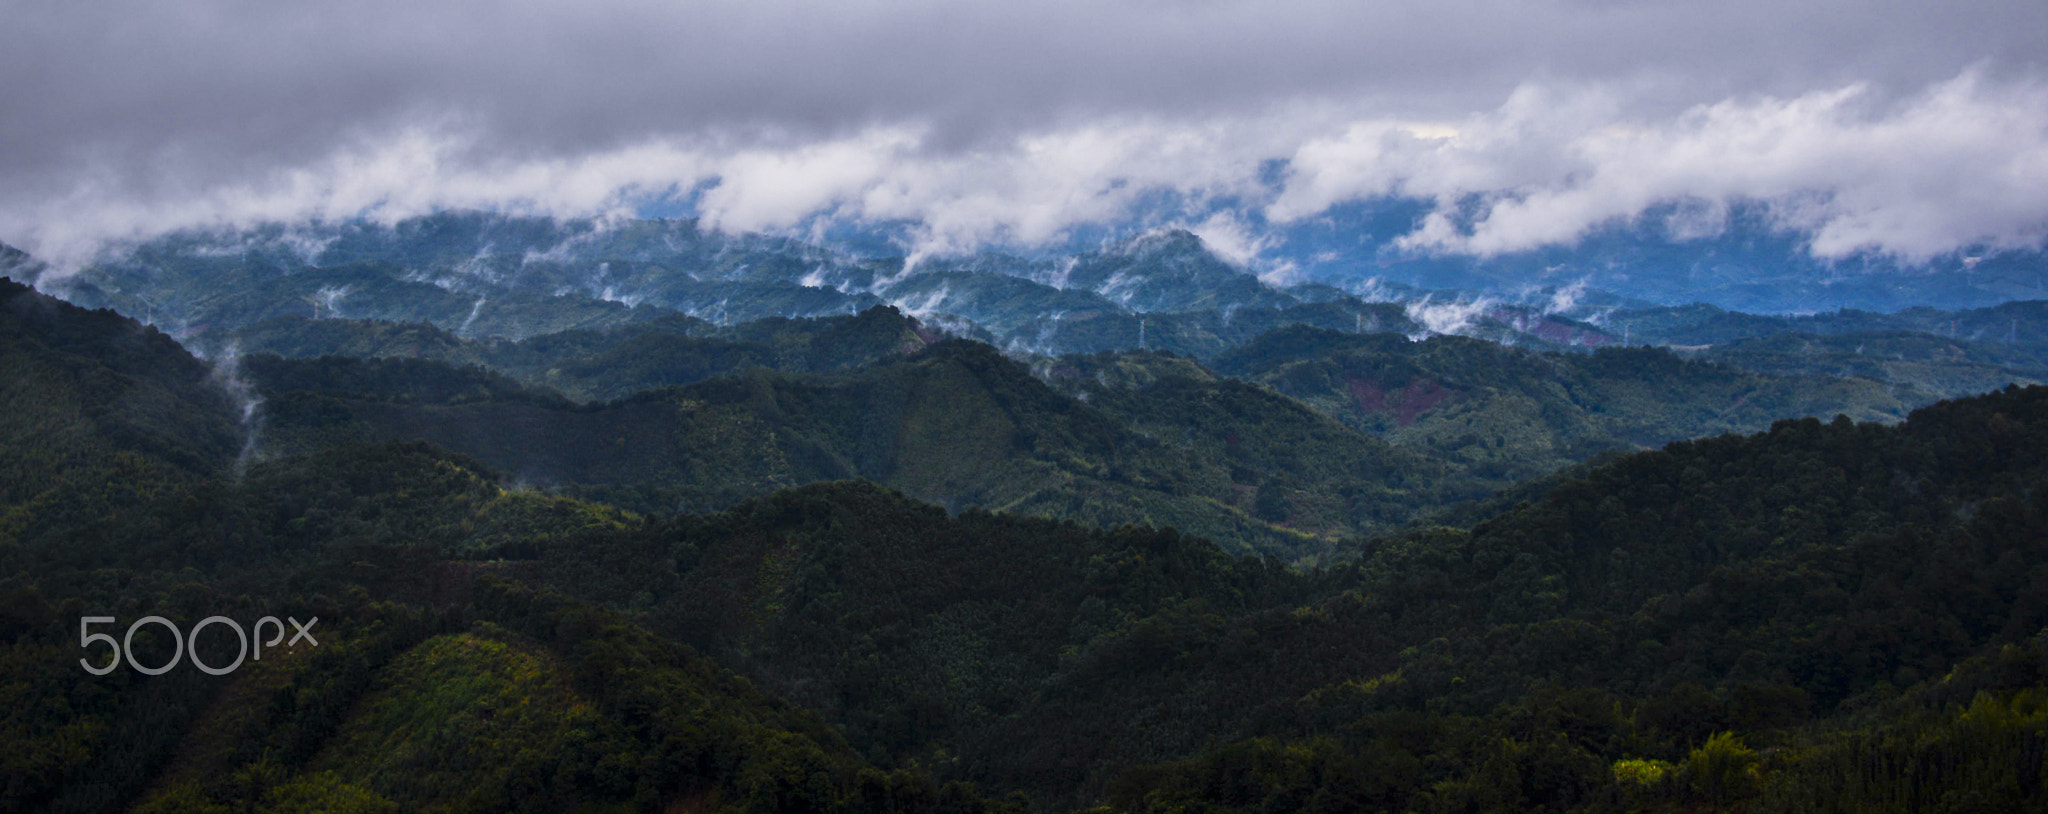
(1239, 465)
(1170, 442)
(1168, 643)
(1926, 362)
(1464, 415)
(482, 275)
(437, 680)
(95, 403)
(1752, 584)
(2018, 324)
(956, 424)
(1776, 585)
(471, 693)
(1824, 616)
(605, 365)
(1509, 414)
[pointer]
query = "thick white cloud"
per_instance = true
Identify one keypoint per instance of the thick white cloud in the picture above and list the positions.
(767, 189)
(1013, 122)
(1965, 161)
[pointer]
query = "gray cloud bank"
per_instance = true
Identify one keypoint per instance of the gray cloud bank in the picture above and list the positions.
(1908, 127)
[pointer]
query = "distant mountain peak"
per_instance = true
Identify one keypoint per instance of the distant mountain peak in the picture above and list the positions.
(1166, 241)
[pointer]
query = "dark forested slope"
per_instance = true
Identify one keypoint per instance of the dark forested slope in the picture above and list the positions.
(956, 424)
(95, 410)
(1814, 578)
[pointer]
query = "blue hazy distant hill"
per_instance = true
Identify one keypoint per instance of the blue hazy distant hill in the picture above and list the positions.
(1658, 279)
(484, 274)
(1743, 260)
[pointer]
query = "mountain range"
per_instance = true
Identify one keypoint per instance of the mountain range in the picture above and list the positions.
(630, 515)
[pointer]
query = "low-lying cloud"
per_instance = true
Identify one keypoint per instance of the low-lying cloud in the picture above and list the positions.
(1962, 162)
(1915, 131)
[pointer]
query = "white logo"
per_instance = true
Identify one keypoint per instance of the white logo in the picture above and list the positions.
(249, 648)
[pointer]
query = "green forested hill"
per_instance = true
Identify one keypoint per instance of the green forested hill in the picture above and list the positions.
(1840, 616)
(96, 411)
(1819, 578)
(1748, 584)
(439, 681)
(467, 692)
(2020, 326)
(604, 365)
(1779, 586)
(1507, 414)
(1933, 364)
(956, 424)
(1460, 412)
(1170, 442)
(1201, 334)
(1288, 463)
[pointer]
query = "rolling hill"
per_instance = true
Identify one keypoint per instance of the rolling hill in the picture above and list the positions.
(903, 578)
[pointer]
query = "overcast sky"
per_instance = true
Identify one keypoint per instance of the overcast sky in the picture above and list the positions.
(1905, 126)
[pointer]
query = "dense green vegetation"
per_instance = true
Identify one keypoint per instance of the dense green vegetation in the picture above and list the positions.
(97, 404)
(955, 424)
(2012, 330)
(437, 683)
(1159, 439)
(1756, 585)
(1824, 616)
(1506, 414)
(1928, 363)
(1778, 586)
(593, 365)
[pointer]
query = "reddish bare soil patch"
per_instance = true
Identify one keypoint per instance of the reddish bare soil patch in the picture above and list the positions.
(1403, 404)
